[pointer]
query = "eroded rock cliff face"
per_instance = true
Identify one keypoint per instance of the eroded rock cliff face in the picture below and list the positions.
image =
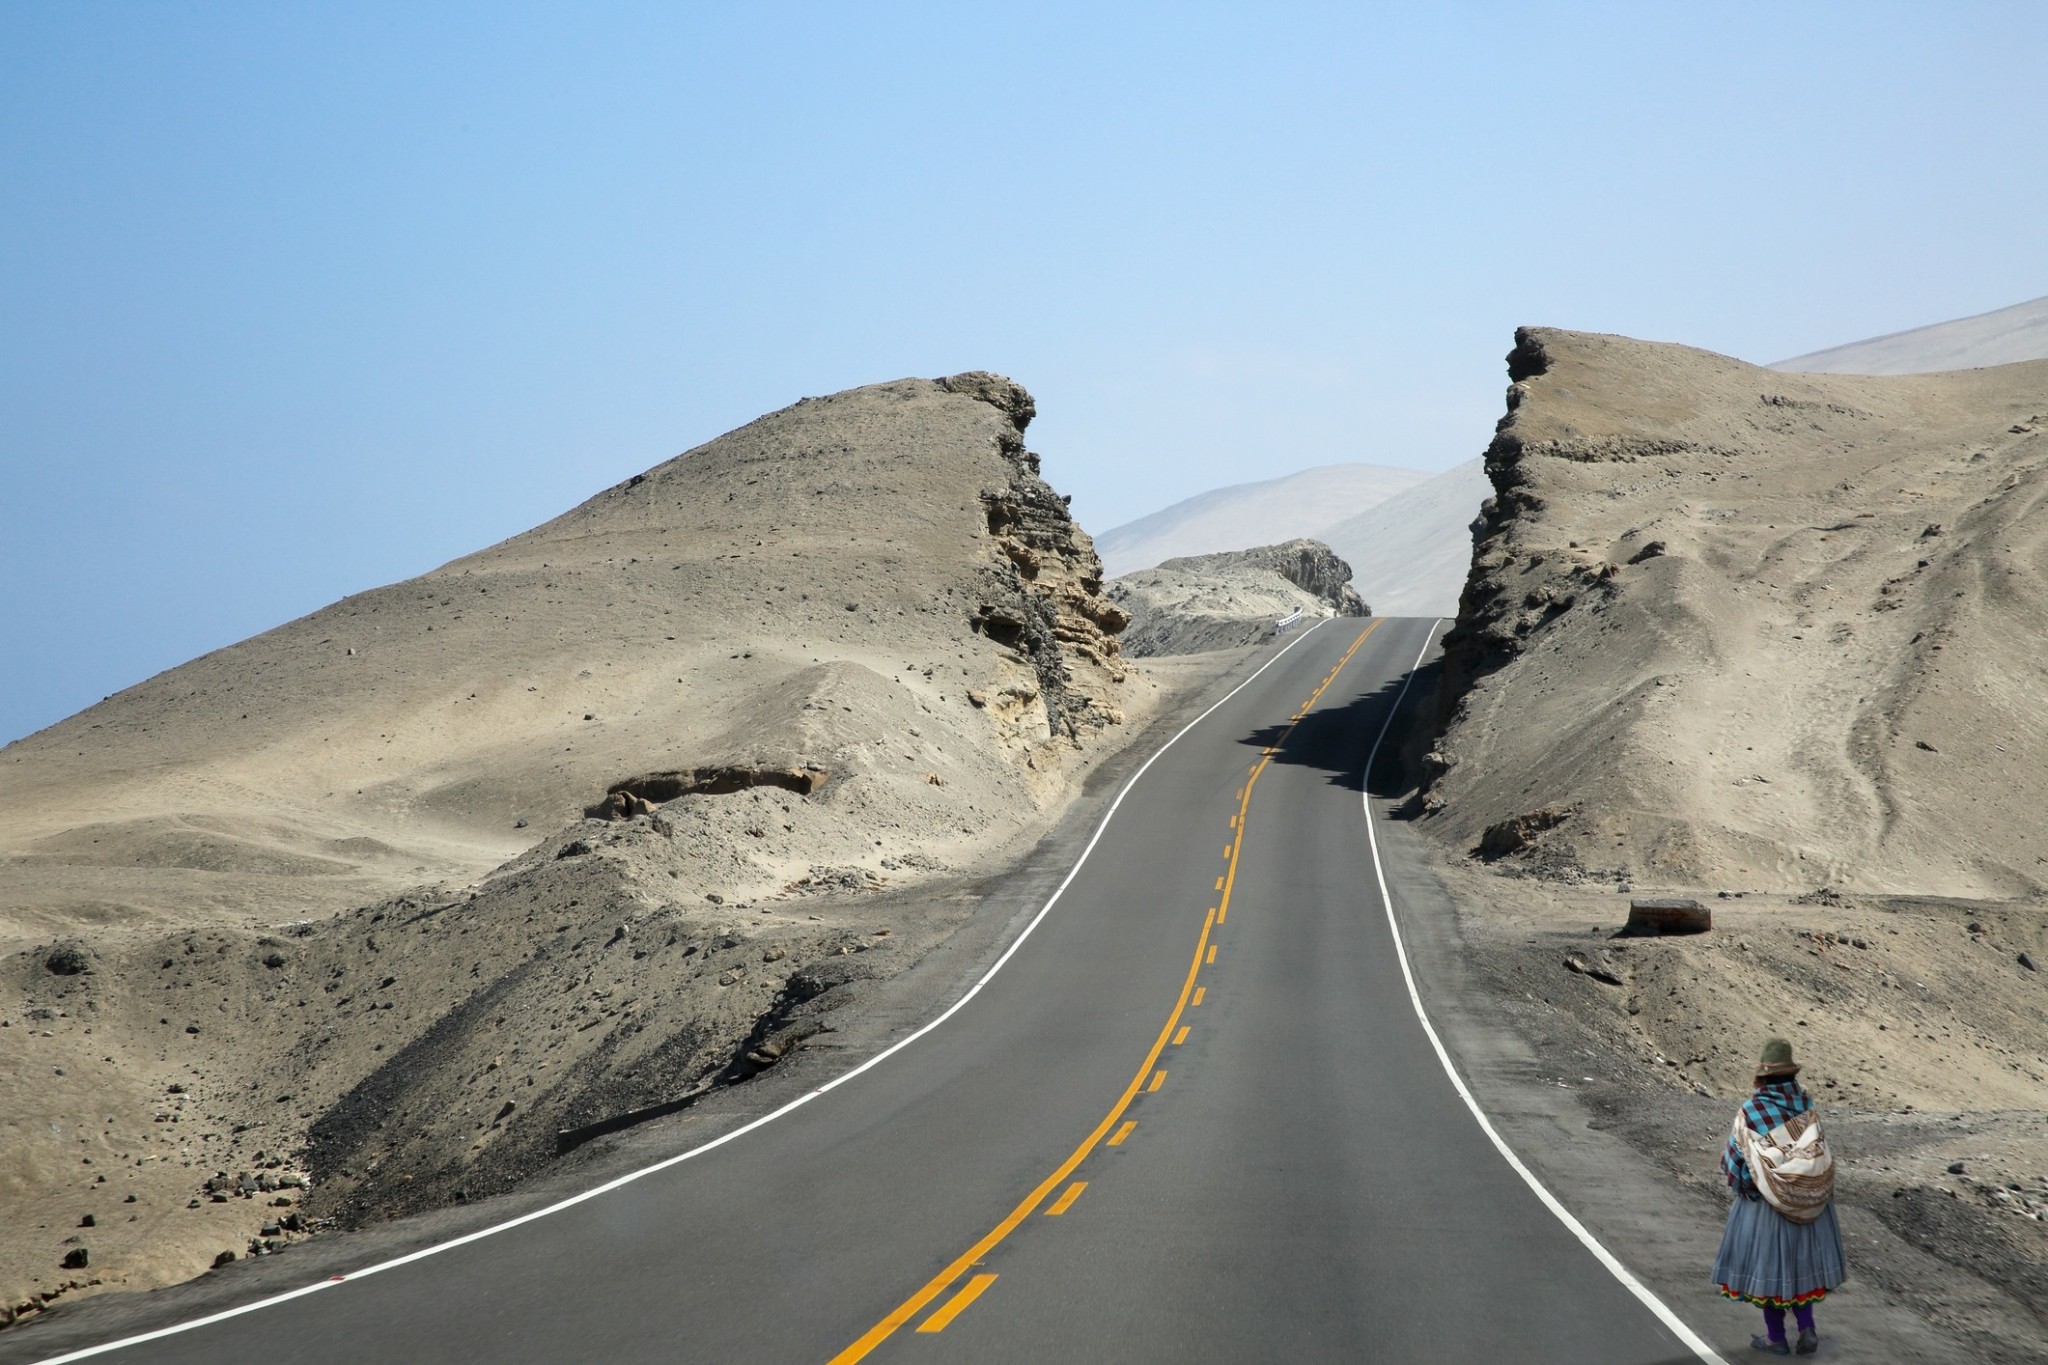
(1308, 564)
(1045, 599)
(1730, 625)
(1231, 599)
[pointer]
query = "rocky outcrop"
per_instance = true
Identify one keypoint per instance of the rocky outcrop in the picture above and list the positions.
(640, 795)
(1199, 603)
(1747, 624)
(1044, 595)
(1308, 564)
(1491, 624)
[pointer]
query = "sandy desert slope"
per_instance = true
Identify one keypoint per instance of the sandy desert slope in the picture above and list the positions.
(1773, 641)
(2003, 336)
(1738, 627)
(368, 906)
(1243, 516)
(1409, 555)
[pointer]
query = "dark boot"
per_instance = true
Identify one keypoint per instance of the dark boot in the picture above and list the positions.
(1776, 1346)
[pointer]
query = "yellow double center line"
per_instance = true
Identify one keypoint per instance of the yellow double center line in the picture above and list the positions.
(969, 1258)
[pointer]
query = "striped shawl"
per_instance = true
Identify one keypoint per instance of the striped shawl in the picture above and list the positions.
(1775, 1151)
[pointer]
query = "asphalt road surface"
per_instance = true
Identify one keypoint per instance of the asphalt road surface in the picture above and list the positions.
(1193, 1117)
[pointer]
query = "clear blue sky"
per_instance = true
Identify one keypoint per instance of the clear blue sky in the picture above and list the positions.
(296, 299)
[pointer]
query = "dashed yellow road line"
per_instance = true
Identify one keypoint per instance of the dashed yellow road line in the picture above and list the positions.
(1158, 1079)
(938, 1284)
(1066, 1201)
(1182, 1036)
(1212, 955)
(968, 1294)
(1190, 995)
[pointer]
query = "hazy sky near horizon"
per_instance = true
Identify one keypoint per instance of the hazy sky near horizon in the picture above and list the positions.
(300, 299)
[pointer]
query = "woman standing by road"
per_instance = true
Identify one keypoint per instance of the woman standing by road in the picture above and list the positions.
(1782, 1247)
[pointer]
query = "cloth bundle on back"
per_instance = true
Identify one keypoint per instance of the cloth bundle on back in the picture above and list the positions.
(1788, 1161)
(1782, 1247)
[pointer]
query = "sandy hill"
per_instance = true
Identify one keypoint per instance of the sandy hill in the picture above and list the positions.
(1200, 603)
(1773, 641)
(1409, 555)
(1246, 515)
(2004, 336)
(1733, 626)
(324, 904)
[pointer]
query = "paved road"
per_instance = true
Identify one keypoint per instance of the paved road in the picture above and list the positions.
(1194, 1118)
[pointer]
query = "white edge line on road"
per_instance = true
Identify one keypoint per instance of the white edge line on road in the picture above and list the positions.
(1606, 1258)
(741, 1131)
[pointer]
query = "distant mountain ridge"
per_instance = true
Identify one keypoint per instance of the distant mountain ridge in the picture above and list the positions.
(1407, 534)
(2003, 336)
(1245, 515)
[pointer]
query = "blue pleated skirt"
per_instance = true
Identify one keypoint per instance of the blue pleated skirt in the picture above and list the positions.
(1768, 1259)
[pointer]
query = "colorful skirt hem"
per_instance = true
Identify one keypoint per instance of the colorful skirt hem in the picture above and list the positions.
(1770, 1301)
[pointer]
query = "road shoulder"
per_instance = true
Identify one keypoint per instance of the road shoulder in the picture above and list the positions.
(1600, 1137)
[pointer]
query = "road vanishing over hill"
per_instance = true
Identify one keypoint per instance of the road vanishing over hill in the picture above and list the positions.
(1193, 1117)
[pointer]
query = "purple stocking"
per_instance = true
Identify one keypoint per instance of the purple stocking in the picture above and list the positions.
(1774, 1323)
(1804, 1313)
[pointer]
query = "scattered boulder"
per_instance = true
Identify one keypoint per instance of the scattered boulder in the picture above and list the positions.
(619, 805)
(1518, 834)
(1650, 918)
(67, 959)
(1574, 963)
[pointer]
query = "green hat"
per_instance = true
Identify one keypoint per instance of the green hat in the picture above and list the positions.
(1777, 1059)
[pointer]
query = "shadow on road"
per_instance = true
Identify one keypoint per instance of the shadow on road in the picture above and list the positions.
(1336, 739)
